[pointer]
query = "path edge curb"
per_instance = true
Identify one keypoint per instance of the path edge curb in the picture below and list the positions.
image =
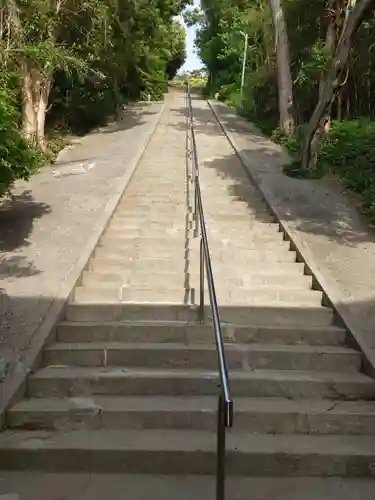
(304, 254)
(14, 386)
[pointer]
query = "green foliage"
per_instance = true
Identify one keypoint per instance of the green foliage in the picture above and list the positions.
(80, 105)
(349, 151)
(95, 54)
(18, 160)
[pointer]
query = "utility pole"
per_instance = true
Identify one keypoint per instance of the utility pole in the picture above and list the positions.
(243, 67)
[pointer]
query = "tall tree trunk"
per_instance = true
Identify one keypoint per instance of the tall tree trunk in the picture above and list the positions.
(42, 112)
(339, 106)
(333, 18)
(29, 119)
(36, 88)
(356, 11)
(284, 76)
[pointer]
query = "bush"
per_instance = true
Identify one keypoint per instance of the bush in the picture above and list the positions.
(260, 99)
(81, 105)
(18, 160)
(349, 151)
(291, 144)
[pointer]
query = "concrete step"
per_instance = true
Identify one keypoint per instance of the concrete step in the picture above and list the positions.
(195, 332)
(143, 279)
(238, 232)
(219, 198)
(159, 188)
(258, 255)
(155, 209)
(253, 415)
(243, 239)
(135, 239)
(159, 243)
(131, 279)
(164, 204)
(287, 271)
(215, 189)
(144, 196)
(253, 222)
(162, 244)
(247, 224)
(176, 216)
(233, 234)
(122, 294)
(227, 217)
(225, 296)
(174, 224)
(164, 266)
(282, 316)
(175, 182)
(203, 356)
(134, 217)
(143, 212)
(142, 232)
(119, 381)
(159, 205)
(221, 242)
(147, 265)
(37, 485)
(253, 295)
(144, 253)
(187, 452)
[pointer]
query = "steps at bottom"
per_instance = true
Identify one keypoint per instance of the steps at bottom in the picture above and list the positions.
(187, 452)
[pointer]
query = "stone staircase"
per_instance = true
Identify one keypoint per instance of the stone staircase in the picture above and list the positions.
(130, 382)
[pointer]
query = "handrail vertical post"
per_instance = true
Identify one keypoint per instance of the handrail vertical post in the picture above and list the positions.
(220, 458)
(196, 228)
(201, 282)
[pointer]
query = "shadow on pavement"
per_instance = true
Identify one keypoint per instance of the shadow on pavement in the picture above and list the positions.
(17, 216)
(315, 206)
(309, 206)
(128, 118)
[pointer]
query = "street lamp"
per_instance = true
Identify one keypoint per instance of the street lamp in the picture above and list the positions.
(243, 67)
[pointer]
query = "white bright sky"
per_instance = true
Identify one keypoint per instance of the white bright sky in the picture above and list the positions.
(192, 60)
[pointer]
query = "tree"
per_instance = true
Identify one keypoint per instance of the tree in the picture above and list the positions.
(73, 63)
(36, 48)
(284, 76)
(176, 50)
(134, 45)
(355, 13)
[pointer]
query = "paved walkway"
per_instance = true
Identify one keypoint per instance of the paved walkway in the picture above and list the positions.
(252, 263)
(143, 254)
(45, 227)
(149, 255)
(51, 218)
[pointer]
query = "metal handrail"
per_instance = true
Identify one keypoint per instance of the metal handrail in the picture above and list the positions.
(225, 403)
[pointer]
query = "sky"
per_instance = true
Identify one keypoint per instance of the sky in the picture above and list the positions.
(192, 60)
